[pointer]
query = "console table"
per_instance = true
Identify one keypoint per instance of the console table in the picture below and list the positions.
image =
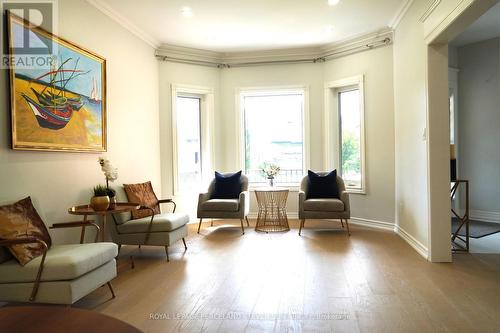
(272, 209)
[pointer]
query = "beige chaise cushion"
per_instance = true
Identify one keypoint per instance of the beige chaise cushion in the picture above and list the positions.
(324, 205)
(161, 223)
(221, 205)
(63, 262)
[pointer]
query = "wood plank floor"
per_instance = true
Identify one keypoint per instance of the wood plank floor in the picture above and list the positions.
(321, 282)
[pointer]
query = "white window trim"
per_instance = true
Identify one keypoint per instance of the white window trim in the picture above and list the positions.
(331, 130)
(206, 95)
(239, 93)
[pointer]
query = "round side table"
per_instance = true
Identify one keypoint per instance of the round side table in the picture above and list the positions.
(86, 210)
(272, 209)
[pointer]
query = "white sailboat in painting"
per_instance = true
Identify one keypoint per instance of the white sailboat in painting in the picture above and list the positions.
(94, 96)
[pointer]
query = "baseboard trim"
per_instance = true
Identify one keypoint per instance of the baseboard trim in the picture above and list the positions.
(375, 224)
(353, 220)
(372, 223)
(485, 216)
(412, 241)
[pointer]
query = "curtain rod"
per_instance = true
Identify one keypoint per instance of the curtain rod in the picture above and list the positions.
(323, 58)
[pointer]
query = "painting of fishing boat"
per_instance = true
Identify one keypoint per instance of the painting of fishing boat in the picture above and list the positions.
(62, 106)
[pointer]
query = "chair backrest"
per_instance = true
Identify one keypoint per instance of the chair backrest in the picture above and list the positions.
(243, 182)
(304, 184)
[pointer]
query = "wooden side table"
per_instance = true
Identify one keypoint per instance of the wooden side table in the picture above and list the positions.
(272, 209)
(86, 210)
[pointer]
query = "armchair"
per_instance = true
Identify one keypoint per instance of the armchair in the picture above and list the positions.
(324, 208)
(225, 208)
(62, 274)
(150, 226)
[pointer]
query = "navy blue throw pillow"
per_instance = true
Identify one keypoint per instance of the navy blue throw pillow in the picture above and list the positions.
(322, 186)
(227, 186)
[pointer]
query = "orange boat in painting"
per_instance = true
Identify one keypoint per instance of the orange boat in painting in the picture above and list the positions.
(54, 109)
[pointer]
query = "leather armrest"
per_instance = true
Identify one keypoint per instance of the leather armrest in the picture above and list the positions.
(24, 240)
(75, 224)
(168, 201)
(30, 240)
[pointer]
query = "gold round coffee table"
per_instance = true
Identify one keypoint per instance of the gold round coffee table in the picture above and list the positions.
(272, 209)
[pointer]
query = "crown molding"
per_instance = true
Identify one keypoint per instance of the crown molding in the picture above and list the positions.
(352, 45)
(430, 8)
(400, 14)
(307, 54)
(188, 53)
(124, 22)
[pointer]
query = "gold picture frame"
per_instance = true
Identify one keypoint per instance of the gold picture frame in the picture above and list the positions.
(59, 107)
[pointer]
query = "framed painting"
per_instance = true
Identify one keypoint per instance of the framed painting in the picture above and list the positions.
(60, 106)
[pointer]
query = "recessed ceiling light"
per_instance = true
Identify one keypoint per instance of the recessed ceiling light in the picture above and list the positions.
(186, 12)
(333, 2)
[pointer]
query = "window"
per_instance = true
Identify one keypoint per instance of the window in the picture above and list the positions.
(273, 133)
(188, 142)
(192, 139)
(350, 137)
(344, 131)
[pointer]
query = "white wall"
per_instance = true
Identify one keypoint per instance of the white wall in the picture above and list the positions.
(376, 65)
(410, 57)
(133, 134)
(479, 116)
(422, 120)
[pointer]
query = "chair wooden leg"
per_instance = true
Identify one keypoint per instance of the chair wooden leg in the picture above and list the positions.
(212, 222)
(242, 227)
(184, 241)
(166, 252)
(301, 225)
(347, 225)
(248, 223)
(199, 226)
(111, 289)
(342, 222)
(139, 246)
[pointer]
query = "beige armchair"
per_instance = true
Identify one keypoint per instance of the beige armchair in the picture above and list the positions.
(324, 208)
(225, 208)
(62, 274)
(157, 229)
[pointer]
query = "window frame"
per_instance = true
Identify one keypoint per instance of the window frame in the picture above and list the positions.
(206, 96)
(240, 123)
(332, 127)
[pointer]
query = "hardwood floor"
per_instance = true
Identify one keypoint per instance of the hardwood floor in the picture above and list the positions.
(323, 281)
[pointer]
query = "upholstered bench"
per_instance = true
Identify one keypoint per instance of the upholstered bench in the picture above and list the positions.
(69, 273)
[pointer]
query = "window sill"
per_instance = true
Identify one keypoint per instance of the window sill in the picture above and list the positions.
(356, 191)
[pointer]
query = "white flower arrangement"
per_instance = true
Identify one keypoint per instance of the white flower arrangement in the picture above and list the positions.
(109, 171)
(270, 170)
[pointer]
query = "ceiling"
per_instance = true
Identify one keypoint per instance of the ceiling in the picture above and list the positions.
(486, 27)
(250, 25)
